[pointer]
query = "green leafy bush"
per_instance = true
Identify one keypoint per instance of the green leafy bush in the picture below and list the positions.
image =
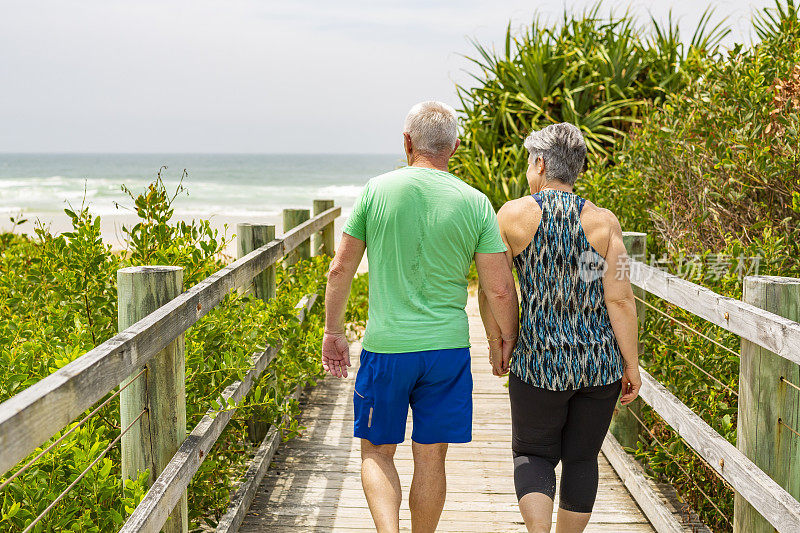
(711, 175)
(58, 300)
(706, 164)
(594, 72)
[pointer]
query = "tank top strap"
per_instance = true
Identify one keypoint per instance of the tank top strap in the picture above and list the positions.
(538, 199)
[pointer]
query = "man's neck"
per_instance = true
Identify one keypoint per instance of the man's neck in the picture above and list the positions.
(436, 163)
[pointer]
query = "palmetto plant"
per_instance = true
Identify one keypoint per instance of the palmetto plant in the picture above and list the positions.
(594, 72)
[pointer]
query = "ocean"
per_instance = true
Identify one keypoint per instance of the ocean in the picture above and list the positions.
(227, 188)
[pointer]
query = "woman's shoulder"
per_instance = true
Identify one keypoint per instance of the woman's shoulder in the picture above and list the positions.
(599, 215)
(598, 224)
(518, 222)
(516, 213)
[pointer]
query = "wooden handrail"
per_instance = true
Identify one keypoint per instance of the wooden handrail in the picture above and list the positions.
(760, 490)
(773, 332)
(755, 326)
(31, 417)
(154, 509)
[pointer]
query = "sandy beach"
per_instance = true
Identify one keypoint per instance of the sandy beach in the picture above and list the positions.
(111, 227)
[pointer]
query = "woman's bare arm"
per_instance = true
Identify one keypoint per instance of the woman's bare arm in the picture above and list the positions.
(621, 307)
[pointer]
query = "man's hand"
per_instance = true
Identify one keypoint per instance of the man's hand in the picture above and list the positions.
(631, 383)
(335, 354)
(500, 351)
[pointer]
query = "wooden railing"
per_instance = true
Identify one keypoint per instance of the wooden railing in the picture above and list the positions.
(764, 467)
(33, 416)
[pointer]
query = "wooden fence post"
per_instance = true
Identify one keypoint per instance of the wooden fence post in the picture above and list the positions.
(248, 238)
(322, 243)
(292, 218)
(624, 426)
(160, 391)
(768, 406)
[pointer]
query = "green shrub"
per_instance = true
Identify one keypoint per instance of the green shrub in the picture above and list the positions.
(58, 300)
(594, 72)
(705, 163)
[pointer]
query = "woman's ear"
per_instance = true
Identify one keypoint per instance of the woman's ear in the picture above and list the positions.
(540, 165)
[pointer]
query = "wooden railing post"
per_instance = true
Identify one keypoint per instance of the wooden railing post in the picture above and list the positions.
(160, 391)
(624, 426)
(322, 243)
(292, 218)
(768, 406)
(248, 238)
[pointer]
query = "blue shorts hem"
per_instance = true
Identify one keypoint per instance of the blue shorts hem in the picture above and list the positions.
(450, 440)
(376, 442)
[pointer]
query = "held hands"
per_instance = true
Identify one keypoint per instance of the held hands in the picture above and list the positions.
(335, 354)
(500, 351)
(631, 383)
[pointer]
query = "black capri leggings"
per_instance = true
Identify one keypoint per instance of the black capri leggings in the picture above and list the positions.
(551, 426)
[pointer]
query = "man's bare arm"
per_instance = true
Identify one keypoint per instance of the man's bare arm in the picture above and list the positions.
(499, 308)
(335, 348)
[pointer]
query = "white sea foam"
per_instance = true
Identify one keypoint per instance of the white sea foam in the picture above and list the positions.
(222, 187)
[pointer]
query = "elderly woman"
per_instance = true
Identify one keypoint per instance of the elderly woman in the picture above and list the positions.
(577, 345)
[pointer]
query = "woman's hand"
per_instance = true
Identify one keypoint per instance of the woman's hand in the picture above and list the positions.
(631, 383)
(500, 351)
(496, 355)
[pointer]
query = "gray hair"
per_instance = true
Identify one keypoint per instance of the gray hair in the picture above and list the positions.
(433, 127)
(562, 148)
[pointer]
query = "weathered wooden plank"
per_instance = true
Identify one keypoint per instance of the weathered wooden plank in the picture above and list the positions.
(160, 391)
(306, 303)
(641, 488)
(33, 416)
(773, 332)
(766, 402)
(761, 491)
(624, 425)
(154, 509)
(291, 219)
(313, 483)
(300, 233)
(322, 242)
(243, 497)
(248, 238)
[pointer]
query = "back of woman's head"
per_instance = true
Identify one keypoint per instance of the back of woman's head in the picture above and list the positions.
(562, 148)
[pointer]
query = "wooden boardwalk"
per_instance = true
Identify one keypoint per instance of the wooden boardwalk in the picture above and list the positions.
(313, 484)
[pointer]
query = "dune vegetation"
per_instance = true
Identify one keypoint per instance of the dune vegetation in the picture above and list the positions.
(58, 300)
(693, 144)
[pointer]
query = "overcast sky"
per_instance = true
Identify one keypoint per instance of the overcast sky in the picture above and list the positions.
(250, 75)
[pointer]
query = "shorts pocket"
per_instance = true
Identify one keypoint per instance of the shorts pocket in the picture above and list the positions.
(364, 408)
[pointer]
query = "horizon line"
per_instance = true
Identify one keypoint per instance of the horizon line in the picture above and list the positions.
(2, 153)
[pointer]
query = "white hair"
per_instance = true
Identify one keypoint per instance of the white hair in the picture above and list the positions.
(433, 128)
(562, 148)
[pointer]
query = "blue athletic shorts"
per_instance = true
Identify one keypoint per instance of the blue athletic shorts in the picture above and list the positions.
(437, 384)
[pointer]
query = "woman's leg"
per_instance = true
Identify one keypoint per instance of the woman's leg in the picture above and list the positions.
(537, 418)
(588, 418)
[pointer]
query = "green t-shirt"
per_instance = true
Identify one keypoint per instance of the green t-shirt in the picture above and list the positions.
(422, 228)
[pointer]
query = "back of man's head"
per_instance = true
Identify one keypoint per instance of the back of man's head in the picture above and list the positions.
(433, 128)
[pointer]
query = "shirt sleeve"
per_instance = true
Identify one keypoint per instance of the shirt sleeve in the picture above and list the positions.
(489, 240)
(356, 225)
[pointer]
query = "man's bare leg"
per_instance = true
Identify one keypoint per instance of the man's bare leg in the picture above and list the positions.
(428, 487)
(381, 485)
(537, 511)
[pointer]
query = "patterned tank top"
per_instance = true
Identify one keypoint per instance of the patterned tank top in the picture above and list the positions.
(565, 338)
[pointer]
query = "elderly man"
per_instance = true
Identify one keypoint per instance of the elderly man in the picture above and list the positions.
(422, 228)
